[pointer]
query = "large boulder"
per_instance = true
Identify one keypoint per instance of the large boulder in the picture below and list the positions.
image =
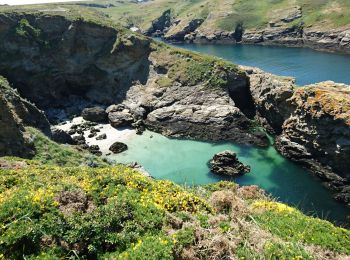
(227, 163)
(120, 116)
(118, 147)
(94, 114)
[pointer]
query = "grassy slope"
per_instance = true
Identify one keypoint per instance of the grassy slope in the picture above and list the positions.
(130, 216)
(254, 14)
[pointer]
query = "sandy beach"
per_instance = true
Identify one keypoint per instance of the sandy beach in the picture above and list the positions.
(113, 134)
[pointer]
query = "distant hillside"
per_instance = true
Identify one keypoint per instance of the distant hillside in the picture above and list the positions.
(321, 24)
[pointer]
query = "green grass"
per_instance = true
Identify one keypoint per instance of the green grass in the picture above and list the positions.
(50, 153)
(295, 226)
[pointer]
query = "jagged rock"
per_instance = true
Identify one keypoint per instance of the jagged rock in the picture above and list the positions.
(60, 136)
(160, 24)
(101, 137)
(94, 114)
(95, 149)
(120, 119)
(15, 114)
(79, 139)
(317, 132)
(226, 163)
(118, 147)
(179, 32)
(270, 94)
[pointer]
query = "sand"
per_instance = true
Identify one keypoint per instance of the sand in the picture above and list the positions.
(113, 134)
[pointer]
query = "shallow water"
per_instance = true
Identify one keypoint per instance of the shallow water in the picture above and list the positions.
(306, 65)
(185, 162)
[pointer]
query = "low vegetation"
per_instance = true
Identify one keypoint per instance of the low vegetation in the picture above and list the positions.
(112, 212)
(49, 152)
(190, 68)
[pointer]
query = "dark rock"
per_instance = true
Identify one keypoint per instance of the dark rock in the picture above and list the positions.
(79, 139)
(160, 24)
(91, 135)
(226, 163)
(121, 118)
(118, 147)
(101, 137)
(72, 131)
(94, 114)
(61, 136)
(15, 114)
(95, 149)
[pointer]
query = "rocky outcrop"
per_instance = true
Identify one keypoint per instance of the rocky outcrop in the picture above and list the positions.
(320, 123)
(160, 25)
(60, 136)
(270, 94)
(118, 147)
(94, 114)
(15, 114)
(181, 29)
(227, 163)
(317, 133)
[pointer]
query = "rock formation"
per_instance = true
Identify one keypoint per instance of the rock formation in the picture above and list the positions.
(227, 163)
(15, 114)
(317, 132)
(118, 147)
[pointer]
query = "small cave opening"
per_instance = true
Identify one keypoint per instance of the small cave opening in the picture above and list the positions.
(239, 30)
(242, 97)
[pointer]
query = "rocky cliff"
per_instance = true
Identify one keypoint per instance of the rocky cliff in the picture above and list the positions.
(63, 62)
(311, 124)
(317, 133)
(15, 113)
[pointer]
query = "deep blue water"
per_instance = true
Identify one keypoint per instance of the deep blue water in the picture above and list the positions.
(306, 65)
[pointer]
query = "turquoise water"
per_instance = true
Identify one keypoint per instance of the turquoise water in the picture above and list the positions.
(306, 65)
(185, 162)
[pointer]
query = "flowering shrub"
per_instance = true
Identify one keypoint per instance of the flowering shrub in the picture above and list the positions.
(84, 211)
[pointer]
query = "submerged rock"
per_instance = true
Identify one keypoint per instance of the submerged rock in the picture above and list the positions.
(94, 114)
(118, 147)
(227, 163)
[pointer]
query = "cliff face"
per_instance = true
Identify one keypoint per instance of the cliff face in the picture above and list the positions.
(320, 123)
(65, 62)
(50, 58)
(15, 113)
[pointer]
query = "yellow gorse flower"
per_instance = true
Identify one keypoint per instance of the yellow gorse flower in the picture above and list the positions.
(273, 206)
